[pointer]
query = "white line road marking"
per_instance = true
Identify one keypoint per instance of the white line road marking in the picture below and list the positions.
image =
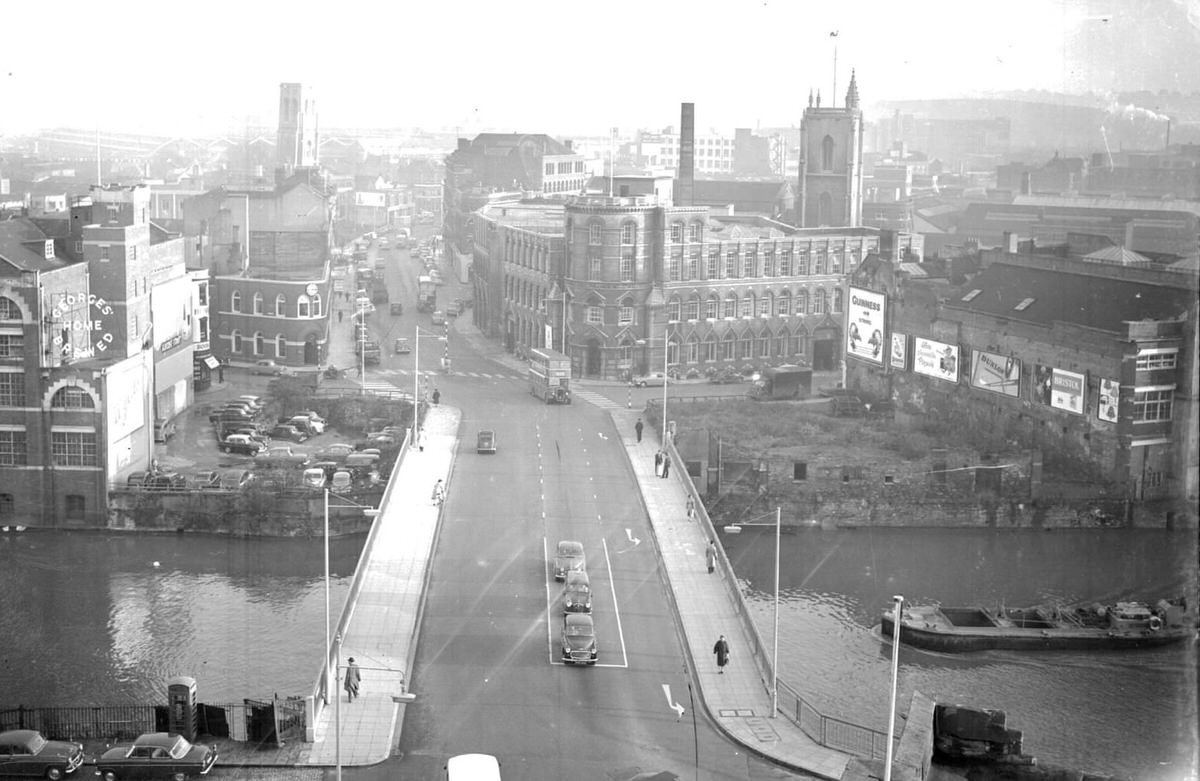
(616, 610)
(666, 687)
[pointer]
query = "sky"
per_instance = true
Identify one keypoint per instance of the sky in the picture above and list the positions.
(558, 67)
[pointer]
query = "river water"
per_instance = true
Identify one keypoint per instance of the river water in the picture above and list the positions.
(1126, 713)
(93, 618)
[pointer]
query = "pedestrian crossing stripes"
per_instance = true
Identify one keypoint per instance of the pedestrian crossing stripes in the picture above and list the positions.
(478, 375)
(595, 399)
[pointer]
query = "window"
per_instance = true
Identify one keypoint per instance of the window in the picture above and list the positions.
(131, 252)
(693, 349)
(73, 448)
(827, 154)
(764, 346)
(280, 306)
(768, 269)
(627, 265)
(72, 397)
(12, 389)
(785, 262)
(730, 307)
(1152, 404)
(692, 310)
(675, 266)
(820, 263)
(9, 309)
(12, 345)
(714, 264)
(746, 347)
(802, 264)
(731, 259)
(316, 305)
(202, 294)
(595, 232)
(835, 263)
(766, 303)
(235, 342)
(728, 348)
(802, 302)
(259, 343)
(694, 233)
(819, 302)
(708, 349)
(103, 252)
(693, 265)
(13, 450)
(75, 507)
(783, 304)
(677, 233)
(673, 352)
(258, 303)
(837, 301)
(235, 301)
(746, 306)
(280, 346)
(674, 309)
(711, 307)
(1150, 361)
(795, 344)
(595, 315)
(781, 344)
(625, 315)
(595, 267)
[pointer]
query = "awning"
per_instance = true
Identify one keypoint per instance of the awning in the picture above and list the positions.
(211, 362)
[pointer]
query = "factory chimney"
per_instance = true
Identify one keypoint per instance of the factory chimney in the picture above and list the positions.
(687, 155)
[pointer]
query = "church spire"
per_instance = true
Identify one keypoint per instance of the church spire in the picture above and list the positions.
(852, 92)
(810, 97)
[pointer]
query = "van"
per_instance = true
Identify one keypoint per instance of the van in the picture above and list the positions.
(473, 767)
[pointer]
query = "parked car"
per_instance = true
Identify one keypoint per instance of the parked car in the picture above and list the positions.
(472, 767)
(726, 376)
(577, 596)
(267, 367)
(341, 480)
(568, 556)
(207, 478)
(231, 414)
(485, 441)
(241, 444)
(396, 308)
(137, 479)
(452, 309)
(328, 467)
(254, 401)
(165, 481)
(244, 406)
(25, 752)
(254, 432)
(235, 479)
(657, 379)
(281, 456)
(157, 755)
(438, 317)
(402, 347)
(163, 430)
(334, 452)
(314, 477)
(578, 639)
(303, 424)
(288, 432)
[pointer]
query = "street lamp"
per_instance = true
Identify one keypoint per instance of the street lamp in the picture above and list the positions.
(887, 768)
(736, 528)
(417, 377)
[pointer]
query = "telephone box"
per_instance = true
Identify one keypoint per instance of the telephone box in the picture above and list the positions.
(181, 706)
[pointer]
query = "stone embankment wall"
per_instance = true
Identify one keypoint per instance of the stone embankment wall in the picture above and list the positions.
(248, 512)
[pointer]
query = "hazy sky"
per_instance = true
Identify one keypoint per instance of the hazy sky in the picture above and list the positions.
(535, 65)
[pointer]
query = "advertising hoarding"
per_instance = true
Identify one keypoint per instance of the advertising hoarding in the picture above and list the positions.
(996, 373)
(1108, 400)
(864, 325)
(899, 357)
(1059, 388)
(935, 359)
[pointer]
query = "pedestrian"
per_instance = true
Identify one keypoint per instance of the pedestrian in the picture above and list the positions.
(721, 649)
(421, 440)
(437, 396)
(658, 462)
(340, 315)
(710, 556)
(638, 428)
(353, 679)
(666, 468)
(221, 372)
(438, 493)
(691, 508)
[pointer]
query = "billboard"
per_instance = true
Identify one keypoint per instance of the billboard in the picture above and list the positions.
(996, 373)
(1108, 400)
(864, 325)
(1059, 388)
(899, 356)
(935, 359)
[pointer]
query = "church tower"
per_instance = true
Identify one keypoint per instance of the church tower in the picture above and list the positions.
(831, 176)
(298, 139)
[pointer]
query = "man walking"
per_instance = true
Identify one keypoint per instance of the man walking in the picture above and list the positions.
(638, 428)
(353, 679)
(721, 649)
(439, 493)
(666, 465)
(691, 508)
(710, 556)
(658, 462)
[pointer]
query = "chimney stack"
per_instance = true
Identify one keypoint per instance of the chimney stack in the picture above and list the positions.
(687, 155)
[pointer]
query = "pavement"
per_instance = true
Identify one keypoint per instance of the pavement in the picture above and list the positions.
(381, 633)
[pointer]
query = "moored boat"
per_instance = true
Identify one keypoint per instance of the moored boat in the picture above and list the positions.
(1118, 626)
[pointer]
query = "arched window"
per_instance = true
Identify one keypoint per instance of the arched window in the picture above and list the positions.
(708, 350)
(235, 301)
(712, 308)
(595, 232)
(695, 230)
(692, 310)
(802, 302)
(628, 232)
(9, 309)
(235, 342)
(765, 305)
(827, 154)
(781, 344)
(764, 344)
(259, 343)
(280, 305)
(837, 300)
(258, 304)
(746, 306)
(673, 351)
(72, 397)
(783, 304)
(746, 346)
(674, 309)
(819, 302)
(693, 350)
(316, 305)
(728, 347)
(302, 306)
(280, 346)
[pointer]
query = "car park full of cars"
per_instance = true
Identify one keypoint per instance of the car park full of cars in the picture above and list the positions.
(288, 432)
(26, 752)
(157, 755)
(578, 639)
(568, 556)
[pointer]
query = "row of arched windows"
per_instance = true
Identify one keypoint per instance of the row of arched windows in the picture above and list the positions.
(765, 304)
(523, 292)
(730, 346)
(306, 306)
(526, 253)
(258, 344)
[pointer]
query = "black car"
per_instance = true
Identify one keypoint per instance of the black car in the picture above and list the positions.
(288, 432)
(241, 445)
(24, 752)
(157, 755)
(578, 639)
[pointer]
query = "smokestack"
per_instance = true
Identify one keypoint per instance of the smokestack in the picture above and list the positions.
(687, 155)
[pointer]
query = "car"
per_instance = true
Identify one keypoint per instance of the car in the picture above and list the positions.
(334, 452)
(255, 402)
(157, 755)
(281, 456)
(328, 467)
(568, 556)
(578, 639)
(234, 479)
(657, 379)
(241, 444)
(304, 423)
(267, 367)
(254, 432)
(137, 479)
(396, 308)
(402, 347)
(726, 376)
(438, 317)
(25, 752)
(229, 414)
(452, 309)
(378, 440)
(485, 441)
(341, 480)
(314, 477)
(472, 767)
(206, 478)
(244, 406)
(165, 481)
(289, 432)
(577, 596)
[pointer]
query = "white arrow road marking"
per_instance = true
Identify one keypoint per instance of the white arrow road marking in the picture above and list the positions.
(634, 540)
(671, 703)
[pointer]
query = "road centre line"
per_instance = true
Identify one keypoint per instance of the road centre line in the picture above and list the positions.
(612, 586)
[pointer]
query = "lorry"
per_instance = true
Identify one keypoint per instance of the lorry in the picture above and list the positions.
(379, 292)
(369, 350)
(426, 294)
(550, 376)
(788, 381)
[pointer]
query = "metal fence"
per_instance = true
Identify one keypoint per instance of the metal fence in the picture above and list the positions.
(125, 722)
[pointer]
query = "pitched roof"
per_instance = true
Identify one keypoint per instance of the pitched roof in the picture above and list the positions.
(1118, 255)
(22, 247)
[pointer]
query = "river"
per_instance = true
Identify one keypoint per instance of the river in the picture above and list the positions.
(96, 618)
(1126, 713)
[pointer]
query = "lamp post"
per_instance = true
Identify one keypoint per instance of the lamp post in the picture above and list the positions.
(417, 378)
(736, 528)
(362, 341)
(887, 768)
(666, 355)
